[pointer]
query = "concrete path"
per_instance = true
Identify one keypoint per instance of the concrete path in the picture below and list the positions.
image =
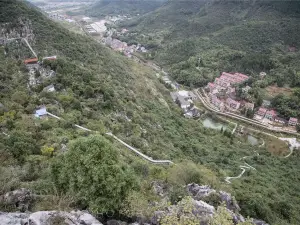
(139, 153)
(29, 46)
(244, 167)
(167, 162)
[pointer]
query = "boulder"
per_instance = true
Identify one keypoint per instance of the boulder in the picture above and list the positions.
(115, 222)
(21, 199)
(158, 188)
(199, 192)
(48, 217)
(259, 222)
(230, 202)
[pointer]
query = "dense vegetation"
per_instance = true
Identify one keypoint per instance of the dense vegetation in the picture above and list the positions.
(122, 7)
(196, 40)
(104, 91)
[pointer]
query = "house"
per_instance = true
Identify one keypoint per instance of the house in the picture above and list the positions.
(233, 78)
(271, 114)
(232, 103)
(31, 61)
(40, 113)
(293, 121)
(261, 112)
(188, 95)
(249, 106)
(281, 120)
(184, 104)
(49, 88)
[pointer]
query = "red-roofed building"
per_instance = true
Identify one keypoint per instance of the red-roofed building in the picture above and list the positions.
(233, 78)
(271, 114)
(31, 61)
(261, 111)
(232, 103)
(293, 121)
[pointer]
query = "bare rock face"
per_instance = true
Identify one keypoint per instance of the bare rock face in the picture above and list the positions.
(199, 192)
(199, 209)
(49, 218)
(21, 199)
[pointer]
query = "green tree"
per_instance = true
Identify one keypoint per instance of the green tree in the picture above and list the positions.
(92, 171)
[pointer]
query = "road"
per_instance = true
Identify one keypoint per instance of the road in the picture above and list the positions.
(167, 162)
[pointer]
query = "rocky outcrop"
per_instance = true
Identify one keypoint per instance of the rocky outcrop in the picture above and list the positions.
(21, 199)
(196, 209)
(203, 192)
(199, 192)
(49, 218)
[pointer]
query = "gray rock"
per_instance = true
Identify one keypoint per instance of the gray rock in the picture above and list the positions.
(158, 188)
(116, 222)
(13, 218)
(230, 202)
(259, 222)
(45, 217)
(21, 199)
(199, 192)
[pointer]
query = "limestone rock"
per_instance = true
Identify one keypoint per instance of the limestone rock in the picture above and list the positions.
(198, 192)
(21, 199)
(48, 217)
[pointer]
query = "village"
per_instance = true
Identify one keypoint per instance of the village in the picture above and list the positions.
(101, 30)
(222, 95)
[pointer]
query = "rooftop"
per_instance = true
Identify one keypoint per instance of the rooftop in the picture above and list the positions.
(41, 112)
(292, 119)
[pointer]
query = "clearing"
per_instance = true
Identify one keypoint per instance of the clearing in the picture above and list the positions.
(274, 90)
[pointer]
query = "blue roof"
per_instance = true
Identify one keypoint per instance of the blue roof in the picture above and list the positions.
(41, 112)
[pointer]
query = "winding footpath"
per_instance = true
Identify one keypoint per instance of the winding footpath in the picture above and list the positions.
(243, 168)
(167, 162)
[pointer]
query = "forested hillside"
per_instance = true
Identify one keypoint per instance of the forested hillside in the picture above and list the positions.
(105, 92)
(196, 40)
(122, 7)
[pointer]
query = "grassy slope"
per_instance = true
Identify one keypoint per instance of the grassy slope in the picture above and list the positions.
(128, 87)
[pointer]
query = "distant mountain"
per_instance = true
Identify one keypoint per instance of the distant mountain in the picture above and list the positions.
(122, 7)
